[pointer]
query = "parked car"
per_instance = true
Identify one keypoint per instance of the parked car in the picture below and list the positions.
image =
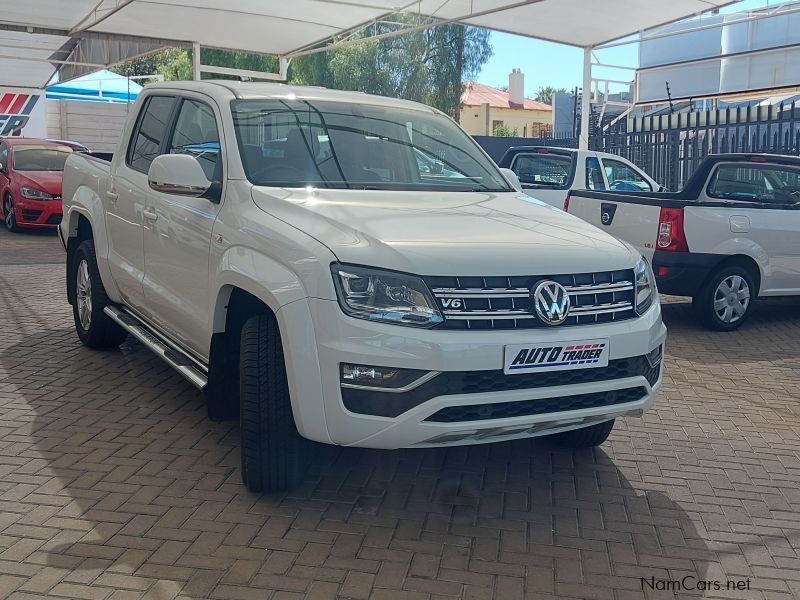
(283, 249)
(548, 174)
(30, 182)
(732, 234)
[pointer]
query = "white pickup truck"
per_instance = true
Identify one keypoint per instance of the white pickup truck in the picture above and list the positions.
(730, 235)
(286, 250)
(549, 173)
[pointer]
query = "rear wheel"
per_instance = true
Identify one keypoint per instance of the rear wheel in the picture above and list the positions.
(272, 450)
(9, 218)
(585, 437)
(95, 328)
(726, 299)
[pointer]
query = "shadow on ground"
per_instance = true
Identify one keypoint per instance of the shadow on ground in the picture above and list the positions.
(126, 476)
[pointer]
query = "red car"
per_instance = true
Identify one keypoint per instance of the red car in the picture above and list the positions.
(30, 182)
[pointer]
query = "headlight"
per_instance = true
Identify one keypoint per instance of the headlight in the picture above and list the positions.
(384, 296)
(645, 286)
(34, 194)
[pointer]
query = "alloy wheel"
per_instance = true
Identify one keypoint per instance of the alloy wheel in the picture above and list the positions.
(731, 299)
(8, 212)
(84, 295)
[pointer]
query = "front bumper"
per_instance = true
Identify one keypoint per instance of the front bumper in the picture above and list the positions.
(318, 337)
(37, 213)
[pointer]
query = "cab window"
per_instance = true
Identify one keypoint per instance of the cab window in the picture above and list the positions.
(623, 178)
(594, 175)
(546, 170)
(196, 134)
(756, 183)
(147, 141)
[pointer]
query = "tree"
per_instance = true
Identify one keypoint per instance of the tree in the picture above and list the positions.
(428, 65)
(545, 93)
(502, 130)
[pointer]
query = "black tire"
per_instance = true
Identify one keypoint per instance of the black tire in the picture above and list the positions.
(273, 453)
(707, 305)
(9, 218)
(99, 331)
(585, 437)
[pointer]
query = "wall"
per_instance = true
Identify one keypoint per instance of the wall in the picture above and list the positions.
(97, 125)
(525, 121)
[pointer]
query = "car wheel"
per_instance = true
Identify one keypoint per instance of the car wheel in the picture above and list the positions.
(9, 218)
(95, 328)
(273, 453)
(585, 437)
(726, 299)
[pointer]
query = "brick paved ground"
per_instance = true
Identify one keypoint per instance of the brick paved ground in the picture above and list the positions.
(113, 484)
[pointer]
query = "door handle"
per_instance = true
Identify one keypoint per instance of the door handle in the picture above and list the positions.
(112, 195)
(150, 215)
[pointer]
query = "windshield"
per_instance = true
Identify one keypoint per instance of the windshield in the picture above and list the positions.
(299, 143)
(40, 158)
(548, 170)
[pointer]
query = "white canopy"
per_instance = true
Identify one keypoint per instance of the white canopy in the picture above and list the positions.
(69, 30)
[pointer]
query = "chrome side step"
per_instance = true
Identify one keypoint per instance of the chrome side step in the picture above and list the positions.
(166, 351)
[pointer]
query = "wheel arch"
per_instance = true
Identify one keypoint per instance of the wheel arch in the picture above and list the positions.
(746, 262)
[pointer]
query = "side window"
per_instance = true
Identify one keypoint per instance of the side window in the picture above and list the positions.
(149, 134)
(550, 170)
(751, 183)
(594, 175)
(3, 156)
(196, 133)
(623, 178)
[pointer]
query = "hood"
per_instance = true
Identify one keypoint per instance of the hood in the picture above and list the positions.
(48, 181)
(447, 233)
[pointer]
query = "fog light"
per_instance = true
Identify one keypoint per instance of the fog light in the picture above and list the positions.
(390, 378)
(654, 356)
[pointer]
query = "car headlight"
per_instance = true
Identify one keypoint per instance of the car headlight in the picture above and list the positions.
(34, 194)
(384, 296)
(645, 286)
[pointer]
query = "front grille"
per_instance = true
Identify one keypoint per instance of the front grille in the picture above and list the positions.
(523, 408)
(482, 382)
(30, 215)
(506, 303)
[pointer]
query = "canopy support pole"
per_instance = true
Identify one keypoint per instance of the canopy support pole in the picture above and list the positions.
(586, 99)
(196, 61)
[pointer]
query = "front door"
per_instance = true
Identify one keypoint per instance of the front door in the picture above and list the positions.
(177, 235)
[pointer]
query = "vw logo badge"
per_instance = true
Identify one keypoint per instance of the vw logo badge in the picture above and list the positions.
(605, 218)
(551, 301)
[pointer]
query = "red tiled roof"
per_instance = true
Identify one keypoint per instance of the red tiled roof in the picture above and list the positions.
(476, 94)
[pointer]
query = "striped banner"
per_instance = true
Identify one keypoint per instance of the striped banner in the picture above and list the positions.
(17, 104)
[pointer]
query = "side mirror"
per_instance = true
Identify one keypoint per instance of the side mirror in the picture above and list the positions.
(178, 174)
(512, 179)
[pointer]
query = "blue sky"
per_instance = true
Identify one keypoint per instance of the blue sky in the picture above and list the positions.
(546, 63)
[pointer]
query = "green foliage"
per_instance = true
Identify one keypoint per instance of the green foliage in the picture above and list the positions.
(502, 130)
(545, 93)
(428, 66)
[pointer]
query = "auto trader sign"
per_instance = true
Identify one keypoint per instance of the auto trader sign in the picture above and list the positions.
(22, 112)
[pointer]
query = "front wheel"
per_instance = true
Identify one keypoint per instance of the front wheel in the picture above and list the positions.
(9, 218)
(94, 327)
(585, 437)
(726, 299)
(273, 457)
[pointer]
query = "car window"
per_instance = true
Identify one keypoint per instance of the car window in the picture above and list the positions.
(299, 143)
(622, 177)
(594, 174)
(152, 126)
(756, 183)
(40, 158)
(3, 155)
(550, 170)
(196, 134)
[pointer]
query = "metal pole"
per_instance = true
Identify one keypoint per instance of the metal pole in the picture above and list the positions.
(196, 61)
(586, 99)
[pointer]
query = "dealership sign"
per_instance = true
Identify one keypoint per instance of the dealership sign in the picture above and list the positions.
(22, 112)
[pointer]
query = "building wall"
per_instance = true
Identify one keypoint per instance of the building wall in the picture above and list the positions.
(97, 125)
(528, 123)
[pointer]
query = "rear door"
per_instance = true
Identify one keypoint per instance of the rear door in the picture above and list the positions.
(546, 174)
(763, 219)
(126, 197)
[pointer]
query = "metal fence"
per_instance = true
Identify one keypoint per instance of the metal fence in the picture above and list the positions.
(670, 147)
